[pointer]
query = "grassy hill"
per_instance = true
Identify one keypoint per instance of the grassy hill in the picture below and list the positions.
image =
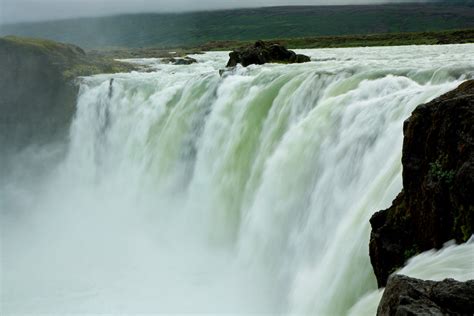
(198, 28)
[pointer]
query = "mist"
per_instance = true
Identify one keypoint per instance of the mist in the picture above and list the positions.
(12, 11)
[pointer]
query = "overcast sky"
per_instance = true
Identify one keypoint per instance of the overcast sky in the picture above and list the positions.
(32, 10)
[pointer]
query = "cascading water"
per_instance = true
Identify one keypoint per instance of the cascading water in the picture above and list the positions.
(452, 261)
(184, 191)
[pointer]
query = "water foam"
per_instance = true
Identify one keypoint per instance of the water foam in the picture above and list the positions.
(184, 191)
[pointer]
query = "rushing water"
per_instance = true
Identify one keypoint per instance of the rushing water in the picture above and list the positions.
(184, 191)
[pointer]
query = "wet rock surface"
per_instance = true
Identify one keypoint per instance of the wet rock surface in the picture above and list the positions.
(180, 61)
(261, 53)
(437, 201)
(408, 296)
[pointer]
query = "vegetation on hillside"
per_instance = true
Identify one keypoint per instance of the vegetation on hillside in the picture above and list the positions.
(71, 60)
(198, 28)
(388, 39)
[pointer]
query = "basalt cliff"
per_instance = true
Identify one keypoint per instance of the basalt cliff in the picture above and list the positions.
(435, 206)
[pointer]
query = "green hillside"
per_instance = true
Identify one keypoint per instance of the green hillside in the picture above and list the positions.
(195, 29)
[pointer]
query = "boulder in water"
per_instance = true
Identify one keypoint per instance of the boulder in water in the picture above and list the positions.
(261, 53)
(185, 61)
(408, 296)
(180, 61)
(437, 201)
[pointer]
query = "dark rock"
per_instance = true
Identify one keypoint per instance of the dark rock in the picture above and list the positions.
(185, 61)
(408, 296)
(437, 201)
(179, 61)
(261, 53)
(300, 58)
(168, 60)
(111, 87)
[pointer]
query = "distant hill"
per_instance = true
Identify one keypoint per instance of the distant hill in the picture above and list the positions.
(193, 29)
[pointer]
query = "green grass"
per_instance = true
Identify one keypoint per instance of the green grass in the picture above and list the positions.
(388, 39)
(43, 46)
(69, 59)
(299, 23)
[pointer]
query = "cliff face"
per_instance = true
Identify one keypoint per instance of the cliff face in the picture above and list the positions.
(37, 89)
(35, 97)
(437, 201)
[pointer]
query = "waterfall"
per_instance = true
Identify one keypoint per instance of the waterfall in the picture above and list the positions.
(184, 191)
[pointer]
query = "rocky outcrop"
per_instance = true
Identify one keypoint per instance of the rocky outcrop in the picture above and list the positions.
(37, 89)
(261, 53)
(408, 296)
(437, 201)
(179, 61)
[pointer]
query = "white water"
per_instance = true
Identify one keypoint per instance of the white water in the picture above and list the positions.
(182, 191)
(453, 261)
